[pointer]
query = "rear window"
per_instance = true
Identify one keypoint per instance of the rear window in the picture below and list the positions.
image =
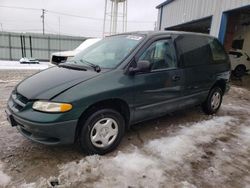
(193, 50)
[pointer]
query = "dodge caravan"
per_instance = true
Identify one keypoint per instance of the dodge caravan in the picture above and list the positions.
(119, 81)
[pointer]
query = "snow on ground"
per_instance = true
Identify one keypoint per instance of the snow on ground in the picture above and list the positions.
(186, 149)
(16, 65)
(4, 178)
(153, 165)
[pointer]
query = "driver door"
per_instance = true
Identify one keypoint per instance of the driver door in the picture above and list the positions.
(158, 91)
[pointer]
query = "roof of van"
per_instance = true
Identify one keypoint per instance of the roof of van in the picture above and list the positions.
(157, 33)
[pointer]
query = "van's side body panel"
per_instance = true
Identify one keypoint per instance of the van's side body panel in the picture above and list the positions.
(201, 72)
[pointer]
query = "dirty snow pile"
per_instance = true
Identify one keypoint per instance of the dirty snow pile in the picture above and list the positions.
(4, 178)
(16, 65)
(167, 161)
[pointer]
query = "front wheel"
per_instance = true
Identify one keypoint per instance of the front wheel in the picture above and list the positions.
(102, 132)
(213, 102)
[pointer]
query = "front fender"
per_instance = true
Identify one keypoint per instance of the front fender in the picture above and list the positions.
(111, 85)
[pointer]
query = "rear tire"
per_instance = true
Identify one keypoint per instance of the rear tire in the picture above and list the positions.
(213, 102)
(239, 71)
(101, 132)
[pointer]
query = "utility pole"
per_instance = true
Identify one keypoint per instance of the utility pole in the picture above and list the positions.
(59, 32)
(42, 16)
(1, 26)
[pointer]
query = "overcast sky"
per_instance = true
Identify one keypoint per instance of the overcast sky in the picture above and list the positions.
(142, 15)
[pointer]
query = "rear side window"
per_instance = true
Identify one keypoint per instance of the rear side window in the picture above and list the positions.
(193, 50)
(218, 52)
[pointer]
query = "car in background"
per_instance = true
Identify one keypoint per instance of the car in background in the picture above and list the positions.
(240, 62)
(26, 60)
(62, 57)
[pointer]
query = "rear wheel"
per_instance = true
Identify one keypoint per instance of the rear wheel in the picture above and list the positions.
(239, 71)
(102, 132)
(213, 102)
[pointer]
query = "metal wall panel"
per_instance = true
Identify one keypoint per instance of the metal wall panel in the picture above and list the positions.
(4, 40)
(4, 53)
(14, 45)
(183, 11)
(16, 54)
(15, 41)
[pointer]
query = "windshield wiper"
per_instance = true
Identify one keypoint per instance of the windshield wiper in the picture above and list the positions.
(72, 66)
(97, 68)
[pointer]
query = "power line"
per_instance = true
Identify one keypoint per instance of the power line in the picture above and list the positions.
(92, 18)
(71, 15)
(14, 7)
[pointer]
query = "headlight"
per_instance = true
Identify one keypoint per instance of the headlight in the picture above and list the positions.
(45, 106)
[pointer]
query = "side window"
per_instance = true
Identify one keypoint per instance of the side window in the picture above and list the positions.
(193, 50)
(218, 53)
(160, 54)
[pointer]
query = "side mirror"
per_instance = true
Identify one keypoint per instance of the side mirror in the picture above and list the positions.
(142, 66)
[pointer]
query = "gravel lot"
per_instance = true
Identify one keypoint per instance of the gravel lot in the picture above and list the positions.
(183, 149)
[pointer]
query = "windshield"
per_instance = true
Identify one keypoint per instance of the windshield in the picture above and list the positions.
(109, 52)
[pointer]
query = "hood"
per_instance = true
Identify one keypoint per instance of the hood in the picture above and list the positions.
(87, 43)
(65, 53)
(50, 82)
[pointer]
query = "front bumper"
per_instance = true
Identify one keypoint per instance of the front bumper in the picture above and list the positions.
(45, 133)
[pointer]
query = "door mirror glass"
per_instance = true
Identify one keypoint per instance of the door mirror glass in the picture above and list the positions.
(142, 66)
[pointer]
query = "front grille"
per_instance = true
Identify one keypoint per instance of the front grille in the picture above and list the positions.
(18, 101)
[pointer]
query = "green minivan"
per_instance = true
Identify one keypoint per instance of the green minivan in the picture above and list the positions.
(119, 81)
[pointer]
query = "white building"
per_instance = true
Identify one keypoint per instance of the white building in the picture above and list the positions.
(229, 20)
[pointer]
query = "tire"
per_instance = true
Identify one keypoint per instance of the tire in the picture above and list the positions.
(239, 71)
(213, 101)
(102, 132)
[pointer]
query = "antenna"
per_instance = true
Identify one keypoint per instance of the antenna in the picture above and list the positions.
(116, 10)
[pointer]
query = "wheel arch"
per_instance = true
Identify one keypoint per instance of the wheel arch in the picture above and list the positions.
(240, 65)
(115, 103)
(222, 84)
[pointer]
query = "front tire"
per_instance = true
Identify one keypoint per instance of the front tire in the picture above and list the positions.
(213, 102)
(102, 132)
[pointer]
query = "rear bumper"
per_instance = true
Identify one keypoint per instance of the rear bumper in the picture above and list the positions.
(45, 133)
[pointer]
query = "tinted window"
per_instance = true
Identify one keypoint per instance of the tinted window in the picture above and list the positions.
(161, 54)
(218, 53)
(193, 50)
